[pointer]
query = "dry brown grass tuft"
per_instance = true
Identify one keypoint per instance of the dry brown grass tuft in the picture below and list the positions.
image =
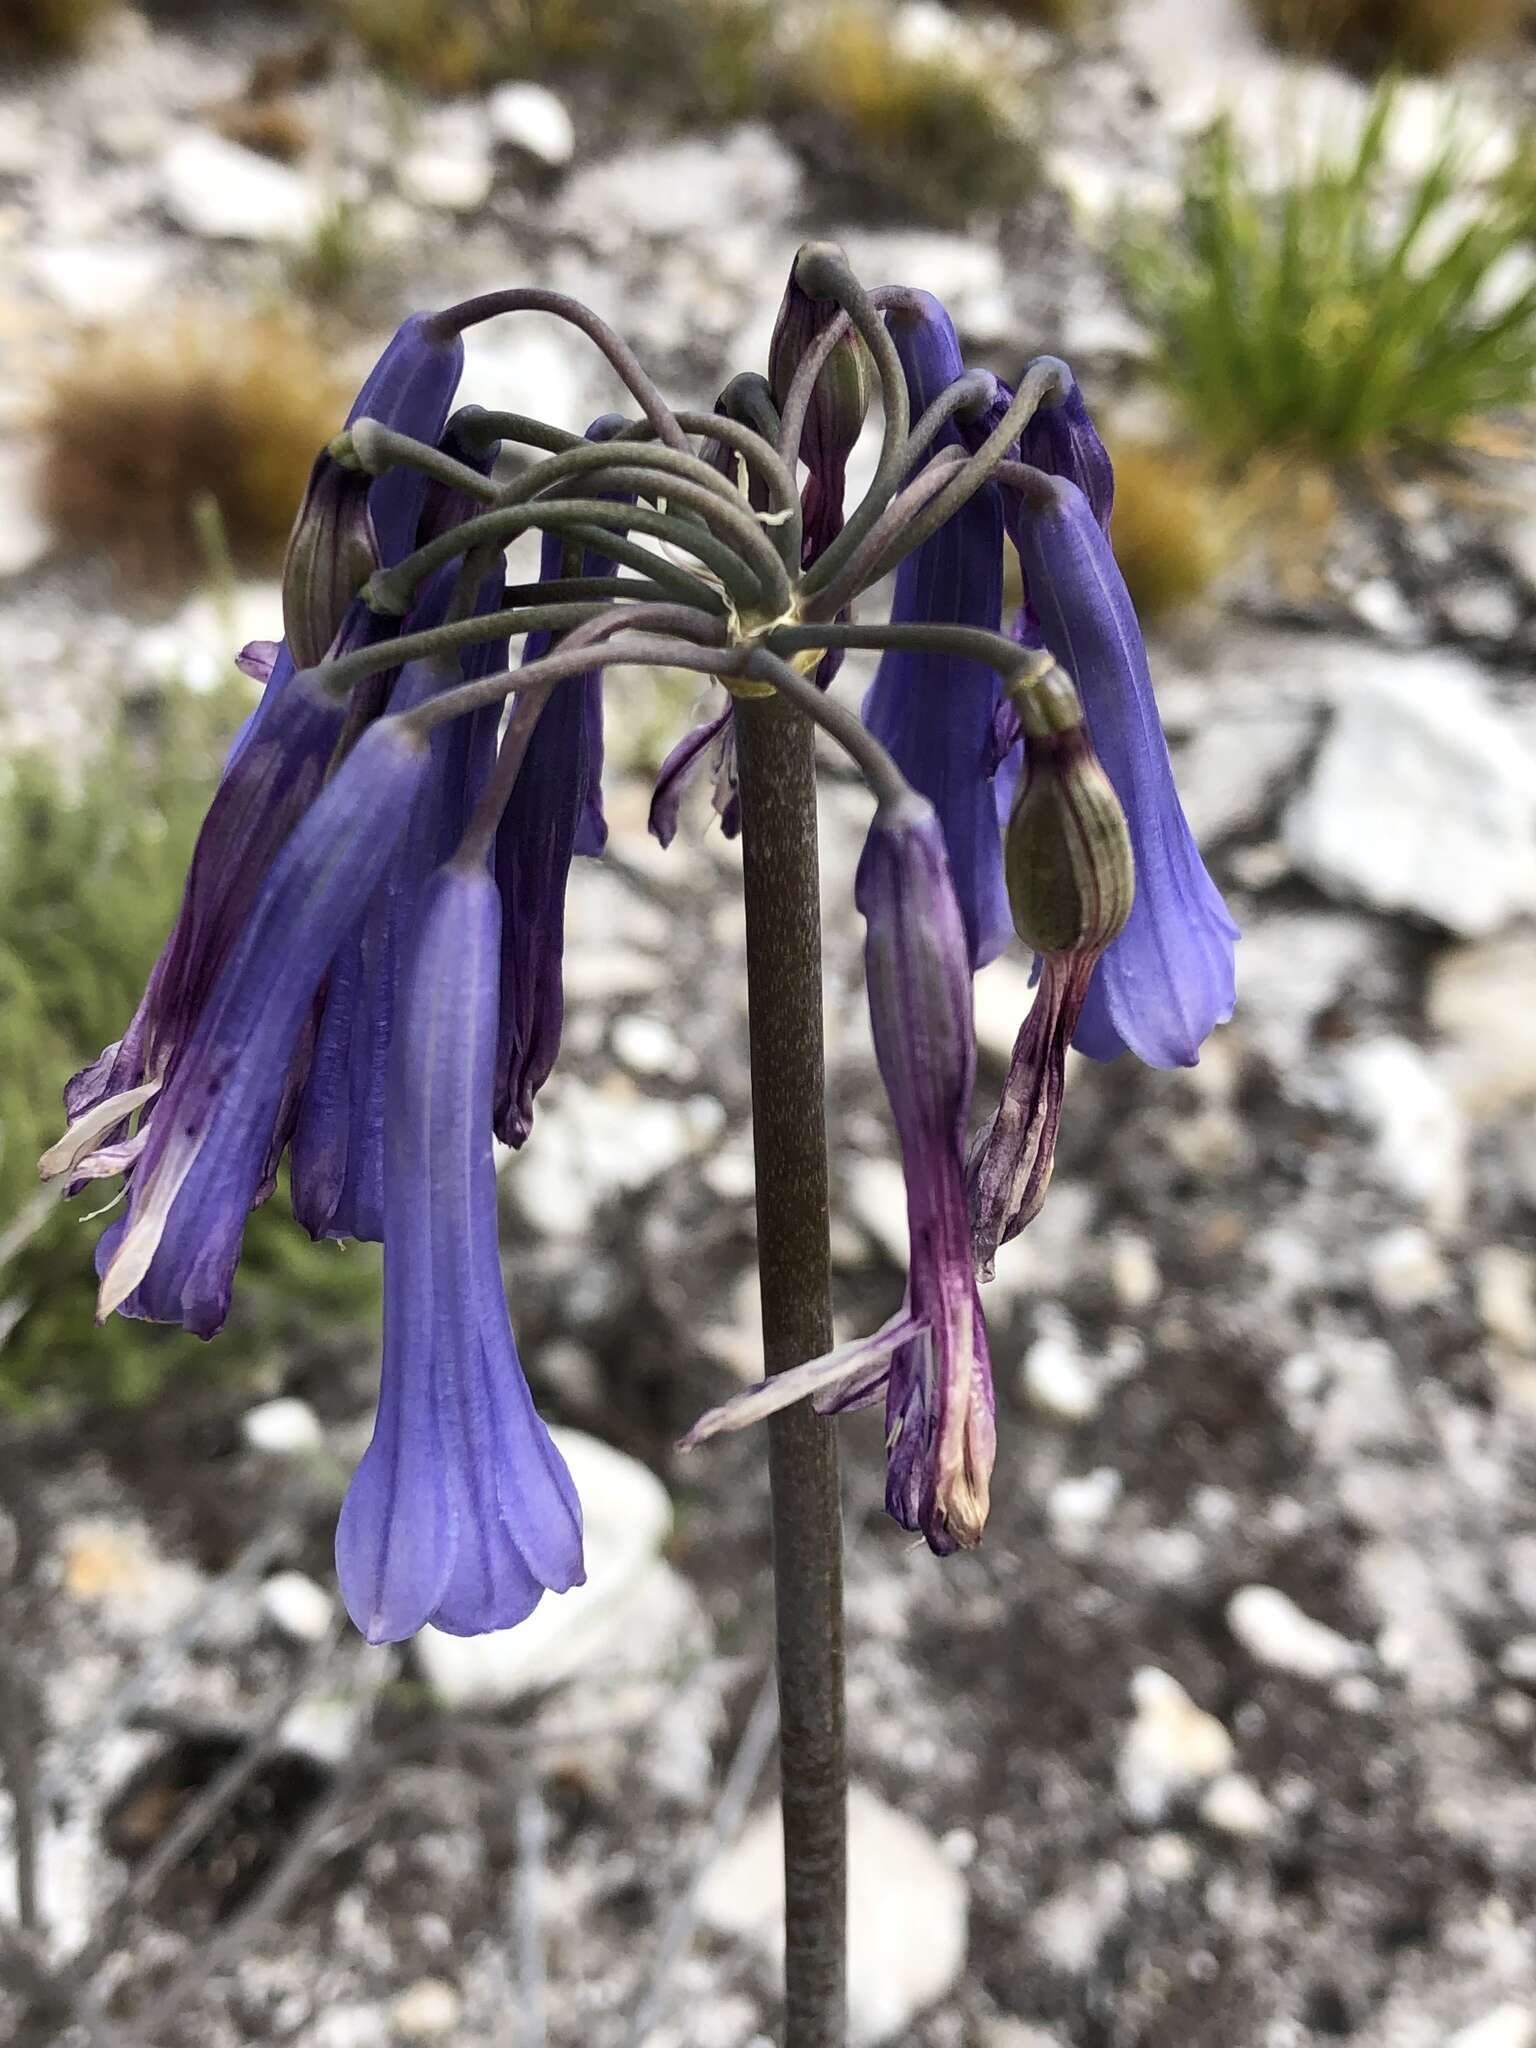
(1374, 35)
(272, 127)
(48, 28)
(920, 135)
(152, 418)
(1166, 526)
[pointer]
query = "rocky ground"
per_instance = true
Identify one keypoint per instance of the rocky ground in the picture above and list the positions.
(1226, 1737)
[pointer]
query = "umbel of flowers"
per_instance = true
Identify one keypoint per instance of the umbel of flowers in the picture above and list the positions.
(365, 973)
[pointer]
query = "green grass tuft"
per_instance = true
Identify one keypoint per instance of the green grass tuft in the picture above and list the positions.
(93, 882)
(1341, 315)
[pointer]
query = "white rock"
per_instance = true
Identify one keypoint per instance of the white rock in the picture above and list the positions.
(1071, 1926)
(292, 1602)
(648, 1045)
(98, 281)
(505, 360)
(1419, 1136)
(1379, 604)
(117, 1569)
(24, 539)
(1422, 797)
(1481, 608)
(597, 1143)
(447, 179)
(1481, 1001)
(1507, 2026)
(877, 1198)
(1421, 1638)
(1133, 1271)
(1016, 2034)
(427, 2010)
(1274, 1631)
(1504, 1280)
(1405, 1270)
(1231, 771)
(531, 118)
(283, 1428)
(632, 1612)
(1002, 997)
(966, 273)
(1290, 969)
(1234, 1805)
(1517, 1660)
(1171, 1747)
(1076, 1508)
(1056, 1378)
(681, 189)
(907, 1911)
(224, 193)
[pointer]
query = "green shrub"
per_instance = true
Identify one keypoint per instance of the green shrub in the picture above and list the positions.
(93, 881)
(1339, 315)
(922, 136)
(149, 418)
(1418, 35)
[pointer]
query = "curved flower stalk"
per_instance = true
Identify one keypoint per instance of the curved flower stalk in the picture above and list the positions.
(280, 754)
(1168, 979)
(931, 1360)
(199, 1162)
(462, 1512)
(935, 711)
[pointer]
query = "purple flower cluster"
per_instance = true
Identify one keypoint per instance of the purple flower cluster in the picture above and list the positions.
(365, 975)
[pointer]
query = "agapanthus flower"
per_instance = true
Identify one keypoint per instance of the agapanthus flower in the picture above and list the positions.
(934, 711)
(279, 757)
(931, 1361)
(555, 812)
(462, 1512)
(206, 1144)
(338, 1135)
(1168, 979)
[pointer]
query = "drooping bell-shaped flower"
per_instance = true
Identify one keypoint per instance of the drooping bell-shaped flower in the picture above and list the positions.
(280, 755)
(1168, 979)
(555, 811)
(462, 1512)
(338, 1135)
(1061, 438)
(931, 1360)
(1070, 885)
(934, 712)
(205, 1147)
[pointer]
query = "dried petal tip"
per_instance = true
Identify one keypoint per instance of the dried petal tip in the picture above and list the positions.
(1067, 852)
(332, 552)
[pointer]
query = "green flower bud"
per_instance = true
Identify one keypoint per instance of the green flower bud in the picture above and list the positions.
(1067, 852)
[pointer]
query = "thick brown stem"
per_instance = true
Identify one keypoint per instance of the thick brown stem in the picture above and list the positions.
(778, 834)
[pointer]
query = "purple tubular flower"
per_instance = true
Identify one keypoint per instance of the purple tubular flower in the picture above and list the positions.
(171, 1257)
(554, 813)
(1168, 979)
(931, 1360)
(279, 756)
(934, 712)
(338, 1138)
(1061, 439)
(681, 765)
(462, 1512)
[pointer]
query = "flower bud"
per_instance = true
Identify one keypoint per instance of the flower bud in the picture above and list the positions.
(1066, 852)
(838, 404)
(332, 552)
